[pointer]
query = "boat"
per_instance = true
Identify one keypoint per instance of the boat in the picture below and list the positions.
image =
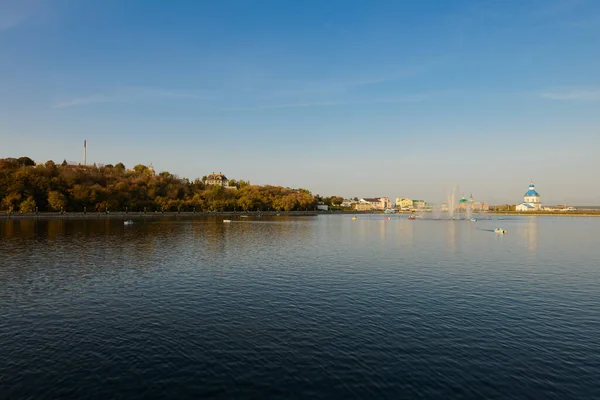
(412, 217)
(473, 219)
(128, 222)
(354, 218)
(387, 218)
(243, 216)
(226, 220)
(500, 230)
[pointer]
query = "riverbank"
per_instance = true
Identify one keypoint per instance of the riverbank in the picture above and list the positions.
(581, 213)
(230, 214)
(137, 215)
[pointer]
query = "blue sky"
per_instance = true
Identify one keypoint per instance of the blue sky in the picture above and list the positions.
(355, 98)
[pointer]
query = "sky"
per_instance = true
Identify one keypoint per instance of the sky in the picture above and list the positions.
(343, 97)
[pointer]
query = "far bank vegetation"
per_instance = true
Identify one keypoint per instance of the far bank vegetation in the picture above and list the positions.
(26, 187)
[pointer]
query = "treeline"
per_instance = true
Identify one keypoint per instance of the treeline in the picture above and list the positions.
(27, 187)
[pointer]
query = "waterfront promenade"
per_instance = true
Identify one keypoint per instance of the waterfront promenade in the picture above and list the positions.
(190, 214)
(141, 214)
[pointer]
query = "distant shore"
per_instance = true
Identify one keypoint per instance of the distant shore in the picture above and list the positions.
(141, 214)
(189, 214)
(581, 213)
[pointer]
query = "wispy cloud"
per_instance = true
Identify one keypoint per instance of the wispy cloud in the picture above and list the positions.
(555, 7)
(14, 13)
(586, 23)
(10, 19)
(345, 85)
(331, 103)
(126, 95)
(581, 95)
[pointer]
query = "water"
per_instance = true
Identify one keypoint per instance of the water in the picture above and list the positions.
(313, 307)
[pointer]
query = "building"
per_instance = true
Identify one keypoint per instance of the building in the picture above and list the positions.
(217, 180)
(349, 203)
(419, 204)
(378, 203)
(404, 204)
(463, 203)
(531, 200)
(480, 206)
(363, 205)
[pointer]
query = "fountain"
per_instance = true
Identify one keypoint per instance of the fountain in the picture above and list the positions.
(469, 207)
(451, 201)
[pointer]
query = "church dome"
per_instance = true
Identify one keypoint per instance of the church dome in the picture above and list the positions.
(532, 192)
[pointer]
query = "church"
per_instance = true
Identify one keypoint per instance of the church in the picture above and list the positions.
(531, 200)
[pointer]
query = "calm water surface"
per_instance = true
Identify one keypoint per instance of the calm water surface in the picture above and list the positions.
(313, 307)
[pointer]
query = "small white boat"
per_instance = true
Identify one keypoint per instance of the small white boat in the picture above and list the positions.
(226, 220)
(128, 222)
(500, 230)
(473, 219)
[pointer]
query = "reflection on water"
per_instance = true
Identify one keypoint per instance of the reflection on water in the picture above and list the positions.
(532, 226)
(315, 307)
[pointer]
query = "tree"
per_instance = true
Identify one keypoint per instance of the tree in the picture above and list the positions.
(56, 200)
(55, 187)
(11, 201)
(336, 200)
(27, 205)
(140, 168)
(26, 162)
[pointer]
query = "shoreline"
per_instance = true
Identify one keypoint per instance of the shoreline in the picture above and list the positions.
(129, 215)
(190, 214)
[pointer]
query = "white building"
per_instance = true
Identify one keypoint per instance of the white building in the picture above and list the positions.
(531, 200)
(217, 180)
(378, 203)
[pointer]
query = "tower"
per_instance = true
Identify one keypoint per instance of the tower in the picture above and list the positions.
(532, 197)
(84, 152)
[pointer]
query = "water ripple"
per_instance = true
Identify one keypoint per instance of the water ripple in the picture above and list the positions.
(300, 308)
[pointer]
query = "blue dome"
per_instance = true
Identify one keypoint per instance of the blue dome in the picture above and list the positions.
(531, 192)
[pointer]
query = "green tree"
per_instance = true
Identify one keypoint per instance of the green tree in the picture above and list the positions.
(26, 161)
(336, 200)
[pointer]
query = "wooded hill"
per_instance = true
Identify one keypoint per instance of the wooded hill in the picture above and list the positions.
(55, 187)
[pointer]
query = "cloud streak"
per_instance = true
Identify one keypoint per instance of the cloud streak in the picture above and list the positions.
(347, 84)
(10, 20)
(575, 95)
(332, 103)
(14, 13)
(126, 95)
